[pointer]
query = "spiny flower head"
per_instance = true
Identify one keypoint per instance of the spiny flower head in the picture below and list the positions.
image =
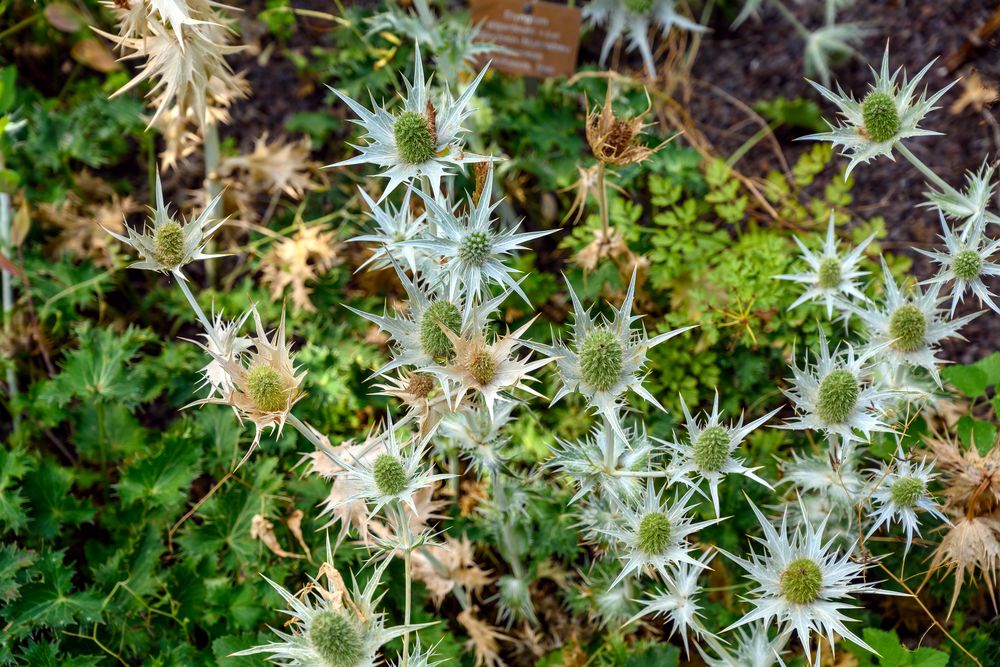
(422, 140)
(394, 227)
(479, 436)
(835, 394)
(653, 533)
(830, 277)
(615, 140)
(265, 383)
(899, 492)
(606, 357)
(754, 648)
(473, 250)
(966, 263)
(331, 628)
(634, 18)
(801, 584)
(890, 113)
(968, 207)
(709, 451)
(422, 395)
(224, 341)
(906, 330)
(166, 245)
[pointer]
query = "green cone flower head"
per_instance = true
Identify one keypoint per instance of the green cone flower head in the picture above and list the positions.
(653, 536)
(166, 245)
(439, 315)
(802, 581)
(890, 113)
(900, 492)
(335, 638)
(968, 260)
(414, 136)
(601, 359)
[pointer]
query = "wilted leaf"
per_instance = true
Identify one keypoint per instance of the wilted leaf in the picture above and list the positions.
(64, 17)
(94, 55)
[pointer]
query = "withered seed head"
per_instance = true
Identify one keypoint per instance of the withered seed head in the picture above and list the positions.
(615, 141)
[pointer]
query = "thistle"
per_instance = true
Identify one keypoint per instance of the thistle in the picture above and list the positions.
(888, 115)
(899, 492)
(966, 262)
(422, 140)
(615, 140)
(830, 278)
(394, 227)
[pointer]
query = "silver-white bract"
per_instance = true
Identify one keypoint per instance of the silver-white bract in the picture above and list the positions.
(689, 465)
(473, 251)
(819, 286)
(625, 535)
(968, 207)
(380, 141)
(223, 341)
(975, 250)
(864, 416)
(635, 345)
(394, 226)
(754, 648)
(892, 506)
(678, 601)
(621, 17)
(197, 232)
(910, 108)
(842, 580)
(937, 326)
(296, 648)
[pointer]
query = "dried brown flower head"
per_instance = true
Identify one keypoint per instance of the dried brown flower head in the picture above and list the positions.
(300, 259)
(971, 481)
(280, 166)
(971, 546)
(614, 140)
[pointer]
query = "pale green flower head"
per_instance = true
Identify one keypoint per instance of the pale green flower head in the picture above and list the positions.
(968, 260)
(899, 492)
(166, 245)
(890, 113)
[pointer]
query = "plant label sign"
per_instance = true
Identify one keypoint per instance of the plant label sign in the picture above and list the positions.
(539, 39)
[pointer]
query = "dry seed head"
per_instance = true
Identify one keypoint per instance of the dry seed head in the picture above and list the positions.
(168, 244)
(414, 137)
(420, 385)
(601, 359)
(837, 396)
(482, 366)
(880, 116)
(802, 581)
(615, 141)
(907, 328)
(336, 639)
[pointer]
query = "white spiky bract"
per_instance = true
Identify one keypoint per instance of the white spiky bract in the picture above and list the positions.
(470, 246)
(618, 19)
(910, 109)
(841, 580)
(626, 534)
(708, 454)
(380, 146)
(226, 342)
(633, 344)
(754, 648)
(965, 263)
(968, 207)
(831, 277)
(935, 326)
(860, 415)
(195, 236)
(394, 226)
(899, 492)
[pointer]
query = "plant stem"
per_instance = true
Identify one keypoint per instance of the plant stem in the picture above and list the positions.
(926, 171)
(790, 17)
(407, 578)
(8, 296)
(610, 460)
(212, 185)
(209, 329)
(602, 199)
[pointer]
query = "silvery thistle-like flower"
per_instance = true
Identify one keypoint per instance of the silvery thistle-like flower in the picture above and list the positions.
(479, 436)
(583, 461)
(223, 341)
(422, 140)
(606, 357)
(831, 43)
(968, 207)
(513, 600)
(394, 227)
(964, 264)
(830, 277)
(899, 492)
(326, 631)
(889, 114)
(708, 453)
(473, 251)
(166, 245)
(906, 330)
(265, 383)
(653, 534)
(815, 475)
(635, 18)
(395, 475)
(754, 648)
(418, 335)
(422, 395)
(801, 583)
(488, 368)
(678, 601)
(835, 394)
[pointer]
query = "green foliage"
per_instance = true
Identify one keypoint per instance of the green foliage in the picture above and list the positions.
(893, 654)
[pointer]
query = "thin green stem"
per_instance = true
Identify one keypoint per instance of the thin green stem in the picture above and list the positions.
(926, 171)
(790, 17)
(19, 26)
(407, 578)
(209, 329)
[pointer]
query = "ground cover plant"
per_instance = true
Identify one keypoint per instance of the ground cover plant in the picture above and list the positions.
(328, 344)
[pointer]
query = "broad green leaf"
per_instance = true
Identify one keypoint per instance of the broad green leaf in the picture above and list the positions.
(51, 599)
(970, 380)
(976, 432)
